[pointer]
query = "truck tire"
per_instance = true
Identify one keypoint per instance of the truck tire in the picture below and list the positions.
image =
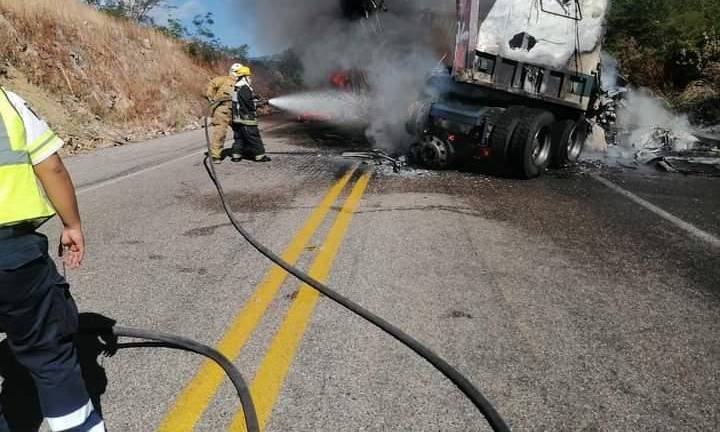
(501, 138)
(531, 144)
(418, 117)
(568, 138)
(436, 153)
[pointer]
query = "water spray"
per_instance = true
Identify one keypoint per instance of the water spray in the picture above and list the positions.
(339, 107)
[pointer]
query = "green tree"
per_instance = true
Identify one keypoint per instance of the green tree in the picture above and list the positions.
(174, 28)
(239, 53)
(203, 43)
(137, 10)
(663, 42)
(200, 40)
(671, 46)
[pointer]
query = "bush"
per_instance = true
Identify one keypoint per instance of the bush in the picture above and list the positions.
(676, 39)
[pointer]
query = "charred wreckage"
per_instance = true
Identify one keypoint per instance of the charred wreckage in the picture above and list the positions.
(519, 90)
(522, 92)
(523, 83)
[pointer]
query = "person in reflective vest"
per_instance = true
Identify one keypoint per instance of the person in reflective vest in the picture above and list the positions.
(37, 312)
(248, 142)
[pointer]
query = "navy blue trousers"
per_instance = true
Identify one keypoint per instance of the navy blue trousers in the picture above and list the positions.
(40, 319)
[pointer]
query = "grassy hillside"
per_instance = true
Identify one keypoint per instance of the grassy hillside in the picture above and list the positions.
(98, 80)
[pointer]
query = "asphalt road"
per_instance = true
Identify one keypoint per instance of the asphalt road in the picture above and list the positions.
(572, 305)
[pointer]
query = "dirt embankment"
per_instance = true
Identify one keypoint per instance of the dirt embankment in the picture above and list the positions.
(97, 80)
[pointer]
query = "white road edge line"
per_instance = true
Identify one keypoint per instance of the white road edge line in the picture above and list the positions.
(688, 227)
(83, 189)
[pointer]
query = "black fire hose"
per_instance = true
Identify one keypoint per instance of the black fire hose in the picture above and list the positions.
(184, 344)
(107, 330)
(176, 342)
(463, 384)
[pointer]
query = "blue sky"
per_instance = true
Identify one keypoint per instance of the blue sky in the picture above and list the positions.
(232, 27)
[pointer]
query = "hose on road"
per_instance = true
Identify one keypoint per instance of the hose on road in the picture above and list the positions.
(107, 327)
(458, 379)
(181, 343)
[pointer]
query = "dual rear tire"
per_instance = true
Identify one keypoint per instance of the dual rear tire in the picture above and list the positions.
(568, 141)
(526, 141)
(521, 142)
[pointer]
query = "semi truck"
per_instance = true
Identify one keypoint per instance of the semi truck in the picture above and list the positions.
(518, 92)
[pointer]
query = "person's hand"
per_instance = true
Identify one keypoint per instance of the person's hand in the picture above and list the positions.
(73, 243)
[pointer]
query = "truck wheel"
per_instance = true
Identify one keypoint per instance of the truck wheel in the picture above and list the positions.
(568, 138)
(418, 117)
(501, 137)
(531, 143)
(436, 153)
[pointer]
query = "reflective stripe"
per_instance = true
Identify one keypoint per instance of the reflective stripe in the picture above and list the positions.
(41, 142)
(69, 421)
(47, 150)
(247, 122)
(7, 155)
(100, 427)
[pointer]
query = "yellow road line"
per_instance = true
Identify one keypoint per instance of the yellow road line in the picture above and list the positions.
(269, 380)
(194, 400)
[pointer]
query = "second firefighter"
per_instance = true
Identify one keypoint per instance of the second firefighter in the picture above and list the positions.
(248, 141)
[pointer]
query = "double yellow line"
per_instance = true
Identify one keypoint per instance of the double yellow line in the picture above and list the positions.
(266, 387)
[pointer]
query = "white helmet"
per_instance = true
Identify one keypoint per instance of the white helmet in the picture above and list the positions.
(235, 69)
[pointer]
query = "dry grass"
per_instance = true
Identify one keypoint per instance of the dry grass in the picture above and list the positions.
(125, 74)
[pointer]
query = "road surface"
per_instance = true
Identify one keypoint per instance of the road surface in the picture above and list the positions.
(582, 301)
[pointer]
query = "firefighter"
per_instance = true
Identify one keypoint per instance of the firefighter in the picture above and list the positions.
(248, 142)
(222, 88)
(37, 312)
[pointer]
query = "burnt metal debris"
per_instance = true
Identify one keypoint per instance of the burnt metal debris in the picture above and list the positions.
(661, 149)
(609, 104)
(702, 159)
(380, 157)
(680, 152)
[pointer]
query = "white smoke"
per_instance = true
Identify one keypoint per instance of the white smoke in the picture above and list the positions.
(609, 71)
(395, 50)
(646, 123)
(334, 106)
(645, 126)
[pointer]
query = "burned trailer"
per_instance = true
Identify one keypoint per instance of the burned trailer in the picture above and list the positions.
(524, 79)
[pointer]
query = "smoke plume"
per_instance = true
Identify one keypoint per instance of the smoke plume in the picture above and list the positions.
(643, 114)
(644, 125)
(394, 49)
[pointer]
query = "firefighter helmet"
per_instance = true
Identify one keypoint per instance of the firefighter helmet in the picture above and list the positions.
(236, 69)
(243, 71)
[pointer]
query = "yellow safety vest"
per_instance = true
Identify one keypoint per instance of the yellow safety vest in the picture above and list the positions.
(22, 200)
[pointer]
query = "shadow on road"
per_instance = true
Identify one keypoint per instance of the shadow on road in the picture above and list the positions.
(19, 400)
